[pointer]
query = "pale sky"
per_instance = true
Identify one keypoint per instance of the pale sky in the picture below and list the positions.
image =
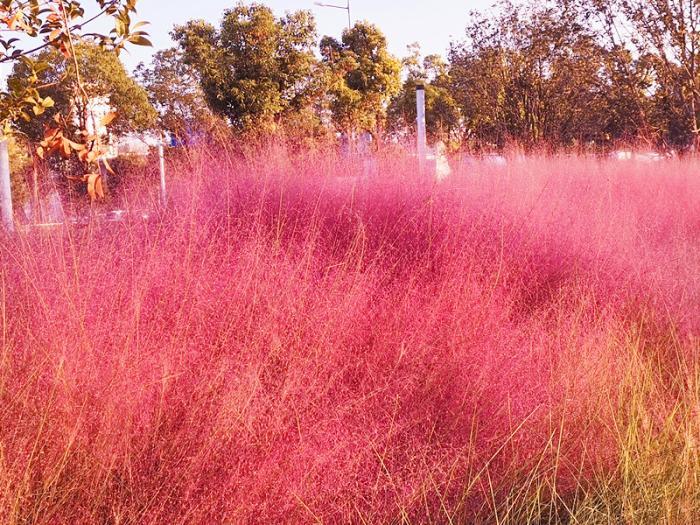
(432, 23)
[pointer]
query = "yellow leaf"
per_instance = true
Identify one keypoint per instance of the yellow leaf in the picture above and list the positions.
(75, 145)
(108, 118)
(65, 151)
(108, 167)
(99, 188)
(94, 187)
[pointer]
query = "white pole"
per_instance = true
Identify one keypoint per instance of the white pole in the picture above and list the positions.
(163, 192)
(421, 135)
(6, 188)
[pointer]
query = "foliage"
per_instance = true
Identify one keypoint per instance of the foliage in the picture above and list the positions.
(665, 35)
(362, 77)
(442, 114)
(577, 72)
(256, 68)
(53, 24)
(105, 81)
(558, 73)
(20, 166)
(59, 25)
(174, 90)
(530, 74)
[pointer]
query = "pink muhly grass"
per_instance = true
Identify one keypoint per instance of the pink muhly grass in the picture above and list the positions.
(293, 341)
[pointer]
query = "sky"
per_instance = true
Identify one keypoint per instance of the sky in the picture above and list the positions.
(432, 23)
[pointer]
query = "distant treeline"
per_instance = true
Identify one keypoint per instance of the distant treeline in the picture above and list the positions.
(586, 74)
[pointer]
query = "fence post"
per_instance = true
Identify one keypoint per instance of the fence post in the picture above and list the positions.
(6, 188)
(163, 189)
(36, 204)
(421, 135)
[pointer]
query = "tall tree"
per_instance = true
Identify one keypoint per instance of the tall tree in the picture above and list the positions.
(665, 34)
(363, 77)
(58, 25)
(27, 27)
(103, 77)
(443, 119)
(174, 90)
(256, 68)
(531, 74)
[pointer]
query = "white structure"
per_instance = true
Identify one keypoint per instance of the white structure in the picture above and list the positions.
(639, 156)
(6, 213)
(163, 189)
(431, 161)
(131, 144)
(421, 132)
(442, 163)
(97, 109)
(137, 144)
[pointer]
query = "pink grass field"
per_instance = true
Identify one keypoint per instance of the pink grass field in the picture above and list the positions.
(295, 341)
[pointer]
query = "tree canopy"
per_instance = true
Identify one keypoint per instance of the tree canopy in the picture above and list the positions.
(30, 27)
(363, 77)
(256, 68)
(442, 114)
(174, 90)
(104, 78)
(556, 74)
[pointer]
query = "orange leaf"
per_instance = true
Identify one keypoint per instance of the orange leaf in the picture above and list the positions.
(94, 187)
(108, 118)
(108, 167)
(65, 151)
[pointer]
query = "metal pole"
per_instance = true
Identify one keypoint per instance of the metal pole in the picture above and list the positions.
(36, 207)
(163, 192)
(5, 188)
(344, 8)
(421, 134)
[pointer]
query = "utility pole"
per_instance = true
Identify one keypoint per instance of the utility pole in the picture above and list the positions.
(6, 213)
(344, 8)
(420, 121)
(163, 189)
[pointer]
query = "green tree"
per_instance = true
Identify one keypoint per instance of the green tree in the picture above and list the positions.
(534, 74)
(362, 77)
(20, 166)
(103, 76)
(256, 69)
(442, 115)
(28, 27)
(665, 35)
(174, 89)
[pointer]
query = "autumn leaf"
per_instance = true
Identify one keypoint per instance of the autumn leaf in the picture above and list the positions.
(94, 186)
(108, 118)
(107, 166)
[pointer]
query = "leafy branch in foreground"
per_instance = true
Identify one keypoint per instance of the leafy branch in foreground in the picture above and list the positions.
(59, 24)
